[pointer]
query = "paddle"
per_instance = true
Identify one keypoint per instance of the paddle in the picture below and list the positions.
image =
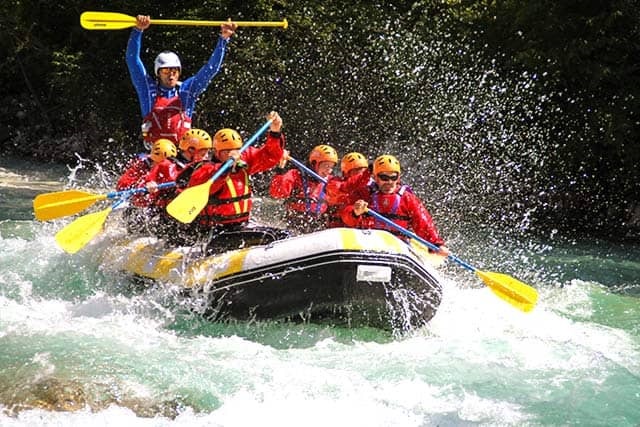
(82, 230)
(509, 289)
(70, 202)
(75, 235)
(119, 21)
(188, 204)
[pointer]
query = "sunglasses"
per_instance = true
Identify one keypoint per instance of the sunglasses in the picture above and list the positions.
(169, 70)
(385, 177)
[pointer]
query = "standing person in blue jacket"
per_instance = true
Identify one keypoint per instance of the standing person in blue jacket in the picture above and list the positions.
(167, 104)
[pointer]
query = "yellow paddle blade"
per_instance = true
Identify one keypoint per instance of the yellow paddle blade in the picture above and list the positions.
(63, 203)
(106, 21)
(190, 202)
(81, 231)
(119, 21)
(511, 290)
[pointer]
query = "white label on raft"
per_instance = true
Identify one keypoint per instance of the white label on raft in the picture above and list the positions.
(373, 273)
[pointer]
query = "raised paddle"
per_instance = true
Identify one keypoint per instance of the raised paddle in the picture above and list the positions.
(507, 288)
(188, 204)
(58, 204)
(119, 21)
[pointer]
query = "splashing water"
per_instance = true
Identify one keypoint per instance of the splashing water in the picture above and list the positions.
(82, 345)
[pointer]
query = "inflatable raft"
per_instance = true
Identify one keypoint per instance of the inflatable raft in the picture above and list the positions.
(342, 276)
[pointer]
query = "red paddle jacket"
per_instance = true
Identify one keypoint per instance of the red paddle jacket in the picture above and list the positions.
(135, 172)
(141, 171)
(165, 171)
(230, 195)
(340, 193)
(402, 207)
(302, 193)
(134, 177)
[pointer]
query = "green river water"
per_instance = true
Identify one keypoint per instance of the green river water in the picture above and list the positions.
(82, 345)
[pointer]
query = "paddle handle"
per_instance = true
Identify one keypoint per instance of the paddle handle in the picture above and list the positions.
(284, 24)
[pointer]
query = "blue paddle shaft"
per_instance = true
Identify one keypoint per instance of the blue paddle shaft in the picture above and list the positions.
(308, 171)
(418, 238)
(125, 194)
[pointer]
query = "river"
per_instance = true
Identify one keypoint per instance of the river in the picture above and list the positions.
(82, 345)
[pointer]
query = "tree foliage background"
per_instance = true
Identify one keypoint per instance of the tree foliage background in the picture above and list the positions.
(522, 112)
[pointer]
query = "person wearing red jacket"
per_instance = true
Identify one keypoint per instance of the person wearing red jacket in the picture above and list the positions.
(194, 147)
(230, 202)
(137, 173)
(355, 174)
(164, 171)
(387, 196)
(305, 201)
(142, 206)
(164, 164)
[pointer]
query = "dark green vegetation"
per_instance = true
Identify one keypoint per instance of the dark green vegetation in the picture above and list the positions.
(522, 112)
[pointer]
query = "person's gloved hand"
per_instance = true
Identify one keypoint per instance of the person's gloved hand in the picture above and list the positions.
(240, 164)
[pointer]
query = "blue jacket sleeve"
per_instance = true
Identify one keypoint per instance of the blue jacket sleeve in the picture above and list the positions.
(192, 87)
(142, 82)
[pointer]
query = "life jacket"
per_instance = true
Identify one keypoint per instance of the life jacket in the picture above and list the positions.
(389, 206)
(231, 204)
(310, 198)
(166, 119)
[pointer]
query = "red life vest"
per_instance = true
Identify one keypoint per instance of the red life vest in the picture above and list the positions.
(389, 205)
(231, 204)
(339, 192)
(166, 119)
(310, 197)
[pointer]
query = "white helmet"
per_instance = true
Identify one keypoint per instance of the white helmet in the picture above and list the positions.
(166, 59)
